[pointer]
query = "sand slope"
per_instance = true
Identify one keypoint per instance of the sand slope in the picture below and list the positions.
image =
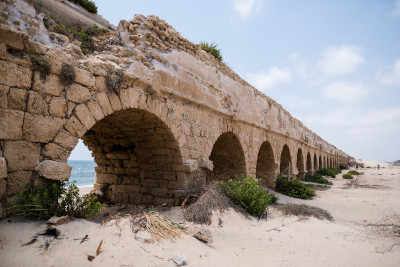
(373, 198)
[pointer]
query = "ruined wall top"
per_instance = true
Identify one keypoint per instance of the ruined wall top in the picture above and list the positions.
(149, 51)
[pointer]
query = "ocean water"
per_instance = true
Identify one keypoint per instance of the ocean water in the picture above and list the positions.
(83, 172)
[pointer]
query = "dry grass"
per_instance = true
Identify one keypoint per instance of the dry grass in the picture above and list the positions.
(212, 199)
(304, 210)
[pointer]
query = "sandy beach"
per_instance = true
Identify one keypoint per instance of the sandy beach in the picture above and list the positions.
(365, 232)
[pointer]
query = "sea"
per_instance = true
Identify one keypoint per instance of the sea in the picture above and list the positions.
(83, 172)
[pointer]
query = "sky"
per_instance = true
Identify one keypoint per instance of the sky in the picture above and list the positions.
(334, 65)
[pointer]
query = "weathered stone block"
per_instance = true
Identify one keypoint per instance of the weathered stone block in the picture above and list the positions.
(36, 103)
(14, 75)
(95, 109)
(104, 178)
(54, 170)
(12, 38)
(42, 129)
(55, 152)
(159, 192)
(3, 51)
(3, 96)
(21, 155)
(104, 103)
(101, 84)
(3, 188)
(77, 93)
(58, 107)
(206, 164)
(17, 99)
(18, 181)
(51, 85)
(84, 77)
(152, 183)
(66, 140)
(3, 168)
(11, 124)
(85, 117)
(115, 102)
(75, 127)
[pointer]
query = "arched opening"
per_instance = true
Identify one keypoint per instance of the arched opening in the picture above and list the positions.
(315, 162)
(83, 166)
(285, 160)
(324, 162)
(137, 156)
(228, 157)
(309, 164)
(266, 164)
(332, 165)
(320, 162)
(300, 164)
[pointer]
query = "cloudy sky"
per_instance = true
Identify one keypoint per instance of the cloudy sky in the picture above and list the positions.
(333, 64)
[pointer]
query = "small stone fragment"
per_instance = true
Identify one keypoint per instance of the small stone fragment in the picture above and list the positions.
(180, 259)
(144, 237)
(58, 220)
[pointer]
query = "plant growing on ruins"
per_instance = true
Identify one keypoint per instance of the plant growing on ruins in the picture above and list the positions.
(211, 49)
(56, 199)
(247, 192)
(347, 176)
(317, 178)
(114, 79)
(67, 74)
(294, 188)
(87, 4)
(329, 172)
(41, 63)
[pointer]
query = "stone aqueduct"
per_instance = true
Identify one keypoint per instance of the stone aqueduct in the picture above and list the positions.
(179, 119)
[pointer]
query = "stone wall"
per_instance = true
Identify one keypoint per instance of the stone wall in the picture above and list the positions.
(178, 120)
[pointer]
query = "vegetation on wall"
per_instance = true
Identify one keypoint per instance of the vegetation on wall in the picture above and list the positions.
(41, 63)
(87, 4)
(211, 49)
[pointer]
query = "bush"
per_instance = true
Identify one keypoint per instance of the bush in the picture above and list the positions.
(211, 49)
(247, 192)
(67, 74)
(354, 172)
(329, 172)
(87, 4)
(41, 63)
(57, 199)
(347, 176)
(304, 210)
(317, 178)
(343, 167)
(114, 79)
(294, 188)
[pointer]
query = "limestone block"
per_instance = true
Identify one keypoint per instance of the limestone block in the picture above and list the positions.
(21, 155)
(3, 187)
(84, 77)
(66, 140)
(189, 165)
(58, 220)
(206, 164)
(12, 38)
(11, 124)
(17, 99)
(104, 103)
(75, 127)
(54, 170)
(95, 109)
(101, 84)
(3, 51)
(39, 128)
(3, 168)
(51, 85)
(118, 155)
(159, 192)
(3, 96)
(115, 102)
(55, 152)
(104, 178)
(14, 75)
(18, 181)
(77, 93)
(36, 103)
(85, 117)
(151, 183)
(58, 107)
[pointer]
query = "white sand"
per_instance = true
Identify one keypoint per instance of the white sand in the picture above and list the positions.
(278, 241)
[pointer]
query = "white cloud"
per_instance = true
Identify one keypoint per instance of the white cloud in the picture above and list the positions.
(341, 60)
(246, 7)
(346, 92)
(266, 80)
(392, 76)
(396, 10)
(290, 101)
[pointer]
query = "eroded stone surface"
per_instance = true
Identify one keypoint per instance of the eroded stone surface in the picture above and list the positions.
(21, 155)
(54, 170)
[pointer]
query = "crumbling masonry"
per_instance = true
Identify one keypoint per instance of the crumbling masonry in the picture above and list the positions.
(178, 119)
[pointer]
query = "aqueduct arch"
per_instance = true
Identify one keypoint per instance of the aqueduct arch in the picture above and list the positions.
(157, 112)
(300, 164)
(309, 164)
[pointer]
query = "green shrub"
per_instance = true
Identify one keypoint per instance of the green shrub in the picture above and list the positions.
(354, 172)
(347, 176)
(87, 4)
(41, 63)
(294, 188)
(57, 199)
(329, 172)
(317, 178)
(247, 192)
(343, 167)
(211, 49)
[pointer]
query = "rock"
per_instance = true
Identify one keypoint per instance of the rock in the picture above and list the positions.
(41, 129)
(180, 259)
(3, 168)
(201, 233)
(21, 155)
(3, 186)
(54, 170)
(206, 164)
(144, 237)
(11, 124)
(58, 220)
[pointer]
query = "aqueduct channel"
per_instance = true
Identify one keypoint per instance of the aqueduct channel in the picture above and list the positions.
(178, 118)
